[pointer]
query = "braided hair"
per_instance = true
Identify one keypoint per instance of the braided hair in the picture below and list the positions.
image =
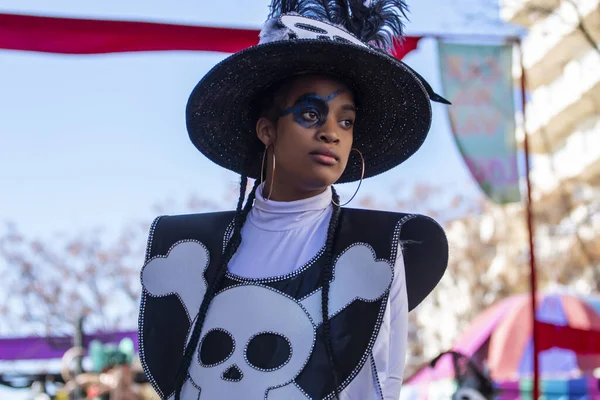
(232, 246)
(269, 108)
(326, 282)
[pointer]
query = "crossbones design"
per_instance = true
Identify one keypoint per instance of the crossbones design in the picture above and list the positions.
(245, 321)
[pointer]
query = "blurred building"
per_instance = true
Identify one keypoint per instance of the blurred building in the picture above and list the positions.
(562, 61)
(489, 252)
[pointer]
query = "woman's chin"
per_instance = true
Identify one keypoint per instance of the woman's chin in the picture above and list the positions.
(323, 180)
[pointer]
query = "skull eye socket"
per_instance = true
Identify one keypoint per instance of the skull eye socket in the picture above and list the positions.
(216, 347)
(268, 351)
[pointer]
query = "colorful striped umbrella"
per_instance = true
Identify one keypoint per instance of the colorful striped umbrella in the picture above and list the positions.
(501, 337)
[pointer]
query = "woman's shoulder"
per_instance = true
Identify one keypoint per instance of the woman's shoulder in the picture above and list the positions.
(412, 233)
(188, 224)
(206, 228)
(393, 217)
(195, 218)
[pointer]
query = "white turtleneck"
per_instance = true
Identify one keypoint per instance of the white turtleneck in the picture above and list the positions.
(280, 237)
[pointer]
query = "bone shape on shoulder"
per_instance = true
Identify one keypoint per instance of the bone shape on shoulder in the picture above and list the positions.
(180, 272)
(357, 275)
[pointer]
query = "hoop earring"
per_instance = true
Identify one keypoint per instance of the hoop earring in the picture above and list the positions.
(362, 175)
(262, 168)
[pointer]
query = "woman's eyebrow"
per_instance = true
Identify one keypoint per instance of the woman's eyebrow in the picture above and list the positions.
(315, 96)
(309, 98)
(349, 107)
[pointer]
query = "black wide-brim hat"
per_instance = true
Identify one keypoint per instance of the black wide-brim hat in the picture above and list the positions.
(394, 102)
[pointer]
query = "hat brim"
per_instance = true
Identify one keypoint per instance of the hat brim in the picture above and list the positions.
(392, 122)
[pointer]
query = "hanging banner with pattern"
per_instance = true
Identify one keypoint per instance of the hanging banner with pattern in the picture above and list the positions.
(477, 79)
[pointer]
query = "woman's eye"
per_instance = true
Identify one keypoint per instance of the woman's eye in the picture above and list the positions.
(310, 116)
(348, 123)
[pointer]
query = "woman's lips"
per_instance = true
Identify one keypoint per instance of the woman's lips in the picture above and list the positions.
(324, 159)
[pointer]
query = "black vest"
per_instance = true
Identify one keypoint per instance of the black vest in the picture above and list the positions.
(284, 351)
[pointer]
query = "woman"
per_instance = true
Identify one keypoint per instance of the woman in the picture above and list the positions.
(292, 296)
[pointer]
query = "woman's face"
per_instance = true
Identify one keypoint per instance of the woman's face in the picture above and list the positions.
(311, 139)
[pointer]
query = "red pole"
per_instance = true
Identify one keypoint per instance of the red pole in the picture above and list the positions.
(532, 275)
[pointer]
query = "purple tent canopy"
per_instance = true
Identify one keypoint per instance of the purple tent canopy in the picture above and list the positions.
(52, 347)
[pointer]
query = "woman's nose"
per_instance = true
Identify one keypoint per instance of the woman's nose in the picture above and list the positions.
(328, 133)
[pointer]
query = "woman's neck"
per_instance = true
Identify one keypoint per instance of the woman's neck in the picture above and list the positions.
(288, 193)
(272, 215)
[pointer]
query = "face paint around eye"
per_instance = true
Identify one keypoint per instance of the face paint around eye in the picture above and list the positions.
(309, 116)
(311, 103)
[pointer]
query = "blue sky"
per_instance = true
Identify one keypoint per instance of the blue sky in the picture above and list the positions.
(92, 141)
(99, 140)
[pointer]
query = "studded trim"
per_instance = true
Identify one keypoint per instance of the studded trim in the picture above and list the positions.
(194, 384)
(278, 278)
(369, 349)
(310, 28)
(333, 275)
(270, 288)
(368, 353)
(297, 387)
(227, 235)
(330, 24)
(271, 279)
(300, 389)
(233, 380)
(142, 313)
(341, 39)
(175, 293)
(145, 294)
(385, 293)
(151, 238)
(226, 358)
(293, 379)
(396, 236)
(269, 369)
(376, 377)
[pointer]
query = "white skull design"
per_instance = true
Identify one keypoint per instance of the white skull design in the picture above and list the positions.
(246, 338)
(256, 340)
